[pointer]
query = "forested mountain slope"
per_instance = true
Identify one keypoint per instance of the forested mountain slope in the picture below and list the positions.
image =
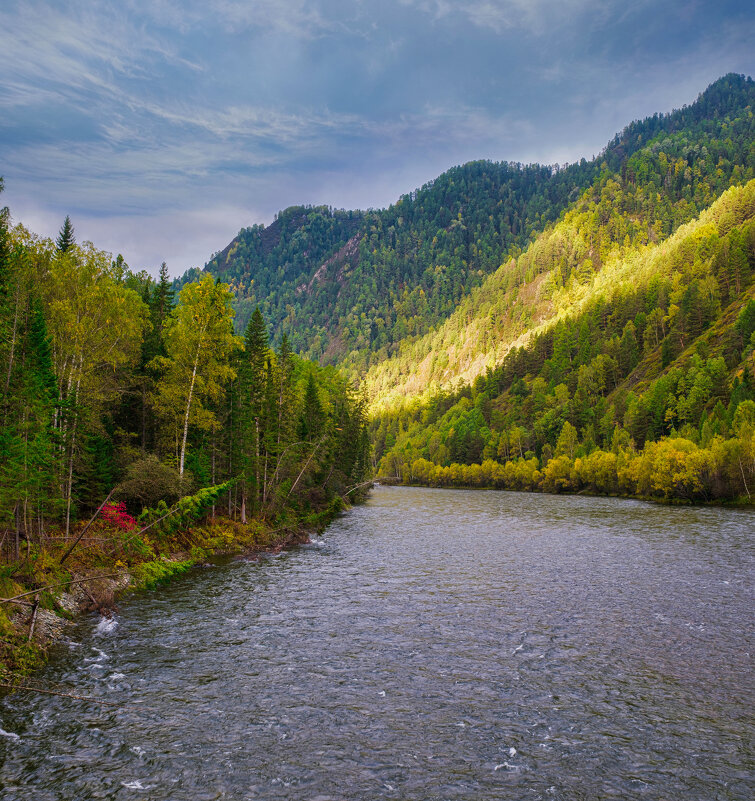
(350, 285)
(357, 288)
(641, 382)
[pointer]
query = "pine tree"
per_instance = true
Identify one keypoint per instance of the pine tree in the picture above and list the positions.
(280, 411)
(285, 400)
(163, 297)
(312, 419)
(4, 243)
(65, 238)
(28, 473)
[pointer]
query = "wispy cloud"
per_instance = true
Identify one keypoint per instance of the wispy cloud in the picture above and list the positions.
(137, 116)
(300, 18)
(533, 16)
(80, 47)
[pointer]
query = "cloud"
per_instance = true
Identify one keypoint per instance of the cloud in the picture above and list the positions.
(532, 16)
(294, 17)
(297, 18)
(80, 46)
(188, 119)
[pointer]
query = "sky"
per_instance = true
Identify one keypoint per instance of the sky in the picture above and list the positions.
(163, 127)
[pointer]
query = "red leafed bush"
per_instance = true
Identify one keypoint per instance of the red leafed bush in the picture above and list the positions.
(116, 514)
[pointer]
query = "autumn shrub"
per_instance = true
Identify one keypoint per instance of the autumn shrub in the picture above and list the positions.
(116, 515)
(559, 475)
(598, 472)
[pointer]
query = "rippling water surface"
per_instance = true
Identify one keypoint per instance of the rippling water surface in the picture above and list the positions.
(431, 645)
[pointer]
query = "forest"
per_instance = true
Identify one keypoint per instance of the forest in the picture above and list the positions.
(123, 404)
(646, 387)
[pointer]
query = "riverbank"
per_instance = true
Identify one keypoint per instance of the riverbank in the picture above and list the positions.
(43, 593)
(673, 470)
(538, 486)
(538, 639)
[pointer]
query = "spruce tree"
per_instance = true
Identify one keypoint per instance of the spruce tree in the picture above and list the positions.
(28, 474)
(4, 243)
(252, 381)
(162, 298)
(312, 419)
(65, 239)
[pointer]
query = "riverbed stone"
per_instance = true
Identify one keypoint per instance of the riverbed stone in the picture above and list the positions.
(48, 627)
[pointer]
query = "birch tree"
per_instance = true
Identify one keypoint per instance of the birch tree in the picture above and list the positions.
(96, 327)
(199, 341)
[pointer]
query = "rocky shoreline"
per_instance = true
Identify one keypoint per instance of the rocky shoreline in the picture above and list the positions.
(36, 628)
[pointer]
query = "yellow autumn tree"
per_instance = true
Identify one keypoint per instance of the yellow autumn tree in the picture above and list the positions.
(199, 341)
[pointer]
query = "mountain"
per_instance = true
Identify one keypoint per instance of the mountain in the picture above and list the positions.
(351, 285)
(658, 343)
(585, 327)
(357, 288)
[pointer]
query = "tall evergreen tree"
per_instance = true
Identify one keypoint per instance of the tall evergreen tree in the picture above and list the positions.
(312, 418)
(66, 238)
(163, 297)
(252, 381)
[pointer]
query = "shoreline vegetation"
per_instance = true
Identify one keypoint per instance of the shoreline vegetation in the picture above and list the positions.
(46, 591)
(560, 478)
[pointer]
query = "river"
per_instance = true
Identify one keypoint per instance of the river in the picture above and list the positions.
(432, 644)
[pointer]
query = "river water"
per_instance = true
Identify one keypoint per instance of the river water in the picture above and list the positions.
(433, 644)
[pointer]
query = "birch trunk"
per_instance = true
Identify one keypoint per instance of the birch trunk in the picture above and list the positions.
(188, 409)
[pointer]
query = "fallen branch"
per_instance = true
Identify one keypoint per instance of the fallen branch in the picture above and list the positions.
(15, 598)
(306, 465)
(357, 486)
(33, 617)
(744, 480)
(84, 530)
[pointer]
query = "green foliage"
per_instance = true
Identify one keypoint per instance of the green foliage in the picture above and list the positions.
(199, 341)
(652, 355)
(148, 575)
(66, 239)
(106, 385)
(187, 511)
(148, 481)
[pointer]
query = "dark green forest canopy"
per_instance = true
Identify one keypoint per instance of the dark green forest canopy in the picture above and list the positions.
(350, 287)
(111, 383)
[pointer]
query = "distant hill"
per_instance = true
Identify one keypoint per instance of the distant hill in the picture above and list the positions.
(359, 288)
